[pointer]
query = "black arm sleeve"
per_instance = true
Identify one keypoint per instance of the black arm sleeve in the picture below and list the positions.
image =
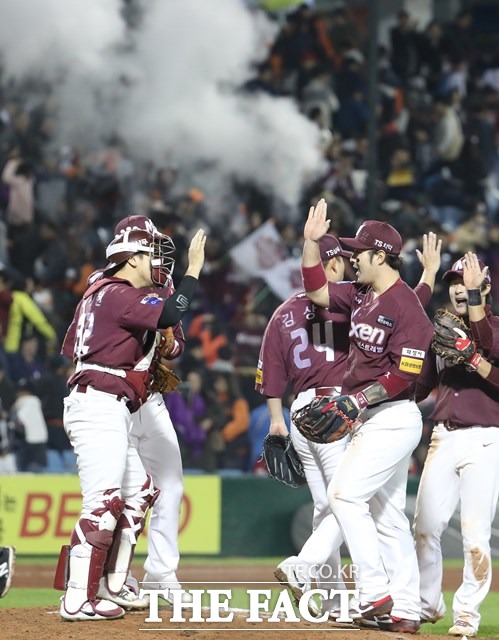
(177, 304)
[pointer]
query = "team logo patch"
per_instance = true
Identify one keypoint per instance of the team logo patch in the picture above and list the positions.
(411, 365)
(413, 353)
(259, 376)
(152, 299)
(387, 322)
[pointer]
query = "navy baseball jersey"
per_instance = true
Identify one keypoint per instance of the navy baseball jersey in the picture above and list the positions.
(303, 343)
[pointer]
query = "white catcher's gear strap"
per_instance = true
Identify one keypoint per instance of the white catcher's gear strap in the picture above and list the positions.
(128, 529)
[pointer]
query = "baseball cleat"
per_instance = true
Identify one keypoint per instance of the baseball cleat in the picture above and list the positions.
(353, 612)
(7, 564)
(371, 610)
(92, 610)
(297, 584)
(126, 598)
(433, 619)
(462, 628)
(400, 625)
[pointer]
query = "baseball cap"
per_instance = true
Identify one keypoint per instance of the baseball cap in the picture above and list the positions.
(373, 234)
(457, 269)
(330, 247)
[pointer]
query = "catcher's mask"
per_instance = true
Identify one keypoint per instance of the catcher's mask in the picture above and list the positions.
(138, 234)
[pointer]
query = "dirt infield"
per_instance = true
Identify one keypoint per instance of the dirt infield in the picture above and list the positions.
(44, 623)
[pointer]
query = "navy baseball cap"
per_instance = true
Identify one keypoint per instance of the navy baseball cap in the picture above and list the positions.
(457, 269)
(373, 234)
(330, 248)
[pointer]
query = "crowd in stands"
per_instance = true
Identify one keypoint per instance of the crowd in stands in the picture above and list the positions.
(437, 152)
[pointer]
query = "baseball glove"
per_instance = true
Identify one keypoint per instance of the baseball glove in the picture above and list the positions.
(282, 461)
(452, 339)
(326, 419)
(164, 379)
(167, 347)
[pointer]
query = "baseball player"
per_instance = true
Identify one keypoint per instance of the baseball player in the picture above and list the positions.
(308, 346)
(115, 341)
(389, 337)
(154, 437)
(7, 565)
(462, 459)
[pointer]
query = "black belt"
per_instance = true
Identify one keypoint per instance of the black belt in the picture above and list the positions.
(82, 388)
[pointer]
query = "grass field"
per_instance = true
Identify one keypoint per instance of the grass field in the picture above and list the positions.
(27, 597)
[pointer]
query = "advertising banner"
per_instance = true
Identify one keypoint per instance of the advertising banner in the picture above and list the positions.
(38, 512)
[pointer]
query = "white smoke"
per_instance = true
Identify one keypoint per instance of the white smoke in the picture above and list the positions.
(184, 65)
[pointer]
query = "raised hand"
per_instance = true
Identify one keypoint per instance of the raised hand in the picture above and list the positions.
(473, 275)
(430, 257)
(196, 254)
(316, 225)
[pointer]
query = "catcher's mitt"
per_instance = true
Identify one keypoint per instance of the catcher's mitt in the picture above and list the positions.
(326, 419)
(452, 339)
(282, 461)
(167, 347)
(164, 379)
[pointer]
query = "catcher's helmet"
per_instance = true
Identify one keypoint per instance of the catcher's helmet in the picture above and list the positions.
(138, 234)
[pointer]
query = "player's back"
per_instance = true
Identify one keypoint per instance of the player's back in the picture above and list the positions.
(305, 344)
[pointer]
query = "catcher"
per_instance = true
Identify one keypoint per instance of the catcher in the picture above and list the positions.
(464, 447)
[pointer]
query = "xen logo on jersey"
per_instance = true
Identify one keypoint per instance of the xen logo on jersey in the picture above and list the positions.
(387, 322)
(410, 365)
(366, 333)
(152, 298)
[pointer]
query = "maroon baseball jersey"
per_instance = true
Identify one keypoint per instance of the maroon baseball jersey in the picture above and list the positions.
(389, 333)
(114, 327)
(463, 396)
(305, 344)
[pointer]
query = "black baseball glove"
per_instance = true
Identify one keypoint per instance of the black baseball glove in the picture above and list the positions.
(452, 339)
(282, 461)
(326, 419)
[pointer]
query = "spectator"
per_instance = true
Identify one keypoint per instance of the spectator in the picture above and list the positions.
(404, 45)
(189, 414)
(25, 364)
(52, 389)
(31, 429)
(229, 412)
(18, 175)
(20, 316)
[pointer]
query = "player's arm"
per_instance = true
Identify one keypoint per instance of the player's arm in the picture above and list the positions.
(487, 371)
(313, 274)
(277, 422)
(473, 278)
(178, 303)
(430, 260)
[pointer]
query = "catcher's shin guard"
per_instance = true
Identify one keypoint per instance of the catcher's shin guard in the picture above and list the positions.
(90, 542)
(61, 577)
(128, 529)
